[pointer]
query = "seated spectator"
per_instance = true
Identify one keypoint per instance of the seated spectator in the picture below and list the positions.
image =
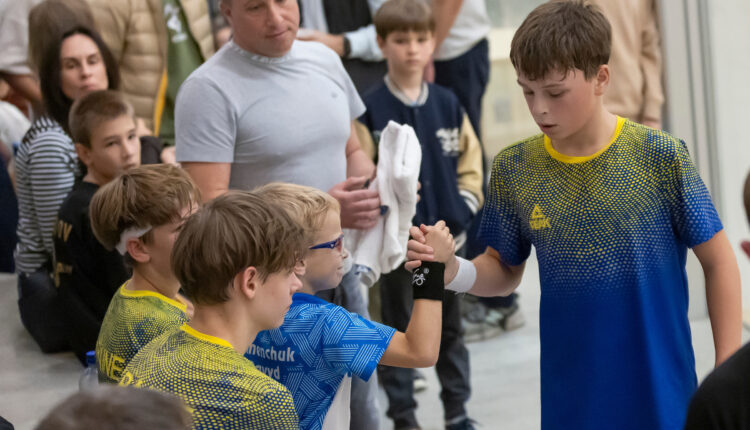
(117, 408)
(236, 259)
(76, 64)
(139, 215)
(86, 275)
(321, 345)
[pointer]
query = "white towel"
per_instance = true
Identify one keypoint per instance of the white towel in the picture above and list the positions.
(382, 248)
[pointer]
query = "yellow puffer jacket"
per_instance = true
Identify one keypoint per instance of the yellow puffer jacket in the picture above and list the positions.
(136, 33)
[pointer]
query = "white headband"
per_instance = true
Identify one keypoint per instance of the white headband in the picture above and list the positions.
(131, 233)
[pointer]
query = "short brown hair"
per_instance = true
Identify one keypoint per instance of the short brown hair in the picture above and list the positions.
(234, 231)
(146, 196)
(308, 206)
(562, 36)
(118, 408)
(403, 15)
(94, 108)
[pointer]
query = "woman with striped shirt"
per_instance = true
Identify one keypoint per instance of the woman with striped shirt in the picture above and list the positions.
(46, 168)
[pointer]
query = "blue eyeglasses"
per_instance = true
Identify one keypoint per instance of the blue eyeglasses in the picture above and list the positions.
(334, 244)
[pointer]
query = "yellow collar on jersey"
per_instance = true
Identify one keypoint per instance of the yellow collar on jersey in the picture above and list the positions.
(570, 159)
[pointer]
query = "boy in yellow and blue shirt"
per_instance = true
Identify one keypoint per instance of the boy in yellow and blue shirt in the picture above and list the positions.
(611, 207)
(139, 215)
(237, 260)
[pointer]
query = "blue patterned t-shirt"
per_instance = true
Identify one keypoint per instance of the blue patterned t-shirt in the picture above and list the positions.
(316, 347)
(611, 233)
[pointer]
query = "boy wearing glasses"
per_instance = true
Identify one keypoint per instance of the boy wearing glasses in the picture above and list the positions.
(320, 345)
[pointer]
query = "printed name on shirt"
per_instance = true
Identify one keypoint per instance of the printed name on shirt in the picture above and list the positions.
(113, 365)
(274, 373)
(272, 353)
(538, 220)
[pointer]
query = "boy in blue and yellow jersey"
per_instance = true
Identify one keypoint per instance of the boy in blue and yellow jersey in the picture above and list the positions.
(237, 259)
(321, 346)
(611, 207)
(451, 179)
(139, 215)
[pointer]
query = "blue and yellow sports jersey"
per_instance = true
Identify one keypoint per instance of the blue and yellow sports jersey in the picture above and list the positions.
(316, 347)
(611, 233)
(222, 389)
(133, 319)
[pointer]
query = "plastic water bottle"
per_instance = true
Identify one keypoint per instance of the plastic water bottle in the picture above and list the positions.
(90, 376)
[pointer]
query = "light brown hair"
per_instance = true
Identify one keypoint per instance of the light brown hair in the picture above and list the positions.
(403, 15)
(150, 195)
(118, 408)
(234, 231)
(562, 36)
(308, 206)
(94, 108)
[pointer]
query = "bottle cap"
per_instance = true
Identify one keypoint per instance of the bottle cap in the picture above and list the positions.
(91, 358)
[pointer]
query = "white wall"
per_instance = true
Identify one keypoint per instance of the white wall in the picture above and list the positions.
(729, 29)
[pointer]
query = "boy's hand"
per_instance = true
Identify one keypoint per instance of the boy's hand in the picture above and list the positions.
(440, 239)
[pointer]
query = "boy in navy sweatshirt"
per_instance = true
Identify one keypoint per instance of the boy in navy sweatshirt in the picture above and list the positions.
(451, 179)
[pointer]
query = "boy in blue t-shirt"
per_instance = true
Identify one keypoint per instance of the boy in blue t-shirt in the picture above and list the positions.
(321, 345)
(451, 179)
(611, 207)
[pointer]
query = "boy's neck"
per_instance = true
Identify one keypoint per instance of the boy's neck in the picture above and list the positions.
(593, 136)
(223, 321)
(306, 287)
(94, 178)
(145, 281)
(410, 84)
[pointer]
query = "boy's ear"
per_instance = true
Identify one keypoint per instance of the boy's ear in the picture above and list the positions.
(381, 42)
(602, 80)
(746, 247)
(247, 282)
(137, 250)
(84, 153)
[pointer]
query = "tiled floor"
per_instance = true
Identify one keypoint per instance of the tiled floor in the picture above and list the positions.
(505, 370)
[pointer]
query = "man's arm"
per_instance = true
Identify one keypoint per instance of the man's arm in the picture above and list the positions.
(445, 12)
(419, 346)
(211, 178)
(723, 294)
(358, 163)
(651, 66)
(25, 85)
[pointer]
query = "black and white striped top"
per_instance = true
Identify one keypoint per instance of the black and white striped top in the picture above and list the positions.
(46, 167)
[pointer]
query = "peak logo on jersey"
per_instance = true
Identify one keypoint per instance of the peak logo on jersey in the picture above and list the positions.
(538, 220)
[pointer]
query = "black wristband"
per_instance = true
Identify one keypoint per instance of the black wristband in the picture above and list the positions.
(428, 281)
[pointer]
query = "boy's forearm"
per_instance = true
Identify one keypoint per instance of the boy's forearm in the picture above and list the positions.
(724, 300)
(423, 332)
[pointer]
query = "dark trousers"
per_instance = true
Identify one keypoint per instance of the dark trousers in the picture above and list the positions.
(453, 362)
(39, 308)
(8, 220)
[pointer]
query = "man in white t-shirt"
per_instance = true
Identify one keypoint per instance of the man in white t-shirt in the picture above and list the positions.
(267, 107)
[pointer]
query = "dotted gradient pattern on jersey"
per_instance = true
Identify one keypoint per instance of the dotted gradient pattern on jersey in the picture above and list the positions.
(222, 389)
(318, 344)
(133, 319)
(611, 234)
(604, 219)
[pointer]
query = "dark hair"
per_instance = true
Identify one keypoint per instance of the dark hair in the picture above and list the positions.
(234, 231)
(118, 408)
(746, 197)
(56, 103)
(403, 15)
(563, 36)
(94, 108)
